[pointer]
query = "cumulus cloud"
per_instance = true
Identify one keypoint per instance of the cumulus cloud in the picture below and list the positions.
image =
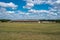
(53, 11)
(58, 1)
(31, 3)
(28, 5)
(38, 11)
(22, 15)
(11, 4)
(3, 10)
(5, 14)
(10, 12)
(50, 12)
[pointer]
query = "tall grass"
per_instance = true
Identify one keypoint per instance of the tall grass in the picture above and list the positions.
(29, 31)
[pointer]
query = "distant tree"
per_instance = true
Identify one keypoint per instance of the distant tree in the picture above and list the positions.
(58, 21)
(4, 20)
(52, 20)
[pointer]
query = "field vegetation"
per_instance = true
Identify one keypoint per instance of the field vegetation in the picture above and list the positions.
(29, 31)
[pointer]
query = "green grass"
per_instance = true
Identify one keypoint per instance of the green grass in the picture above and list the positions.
(29, 31)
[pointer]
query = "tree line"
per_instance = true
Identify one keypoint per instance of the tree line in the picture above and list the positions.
(7, 20)
(57, 20)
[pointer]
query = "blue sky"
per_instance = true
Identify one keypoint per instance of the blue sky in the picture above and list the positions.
(29, 9)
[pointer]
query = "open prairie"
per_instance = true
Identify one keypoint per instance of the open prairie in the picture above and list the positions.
(29, 31)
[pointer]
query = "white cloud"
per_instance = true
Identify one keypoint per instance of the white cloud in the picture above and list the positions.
(35, 1)
(10, 12)
(20, 12)
(28, 5)
(53, 11)
(58, 1)
(5, 14)
(12, 5)
(31, 3)
(41, 1)
(50, 12)
(4, 11)
(23, 13)
(38, 11)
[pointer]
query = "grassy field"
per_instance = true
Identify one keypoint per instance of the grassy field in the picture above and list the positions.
(29, 31)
